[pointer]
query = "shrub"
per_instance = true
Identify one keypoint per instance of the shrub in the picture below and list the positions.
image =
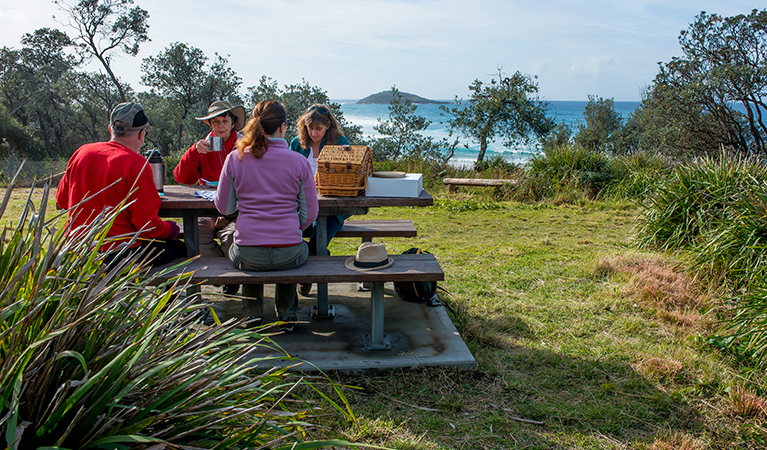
(94, 356)
(637, 174)
(697, 200)
(566, 167)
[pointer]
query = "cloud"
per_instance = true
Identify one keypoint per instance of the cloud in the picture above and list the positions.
(13, 16)
(593, 66)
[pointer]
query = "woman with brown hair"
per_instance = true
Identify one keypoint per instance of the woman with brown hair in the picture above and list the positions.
(318, 127)
(273, 189)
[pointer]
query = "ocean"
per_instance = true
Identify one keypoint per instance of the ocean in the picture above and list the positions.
(570, 112)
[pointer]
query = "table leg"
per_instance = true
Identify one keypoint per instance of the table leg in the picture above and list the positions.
(192, 241)
(191, 236)
(377, 339)
(323, 310)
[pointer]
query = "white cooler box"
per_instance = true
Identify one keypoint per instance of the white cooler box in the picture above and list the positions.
(410, 185)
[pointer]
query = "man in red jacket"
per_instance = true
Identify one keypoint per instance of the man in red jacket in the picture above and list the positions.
(100, 176)
(202, 165)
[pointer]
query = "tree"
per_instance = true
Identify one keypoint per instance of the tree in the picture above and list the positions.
(508, 107)
(14, 138)
(298, 97)
(95, 96)
(37, 91)
(690, 107)
(602, 124)
(560, 135)
(730, 53)
(180, 74)
(105, 27)
(401, 137)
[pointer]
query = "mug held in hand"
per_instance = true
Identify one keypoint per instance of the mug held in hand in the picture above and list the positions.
(215, 143)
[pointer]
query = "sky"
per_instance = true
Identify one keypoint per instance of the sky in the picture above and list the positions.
(431, 48)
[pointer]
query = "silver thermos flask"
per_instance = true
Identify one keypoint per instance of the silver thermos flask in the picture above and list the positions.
(158, 168)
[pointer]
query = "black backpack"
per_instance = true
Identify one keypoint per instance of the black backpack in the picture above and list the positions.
(417, 291)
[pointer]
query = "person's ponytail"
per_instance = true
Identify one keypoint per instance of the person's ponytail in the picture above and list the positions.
(267, 117)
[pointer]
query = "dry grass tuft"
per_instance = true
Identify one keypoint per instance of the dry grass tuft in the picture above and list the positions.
(657, 283)
(661, 368)
(676, 441)
(690, 319)
(747, 403)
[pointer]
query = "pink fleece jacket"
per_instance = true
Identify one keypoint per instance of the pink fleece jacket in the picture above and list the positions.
(275, 195)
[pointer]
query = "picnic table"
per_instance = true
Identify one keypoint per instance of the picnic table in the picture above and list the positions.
(180, 201)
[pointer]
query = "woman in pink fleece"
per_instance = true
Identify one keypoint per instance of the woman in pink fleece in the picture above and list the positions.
(273, 189)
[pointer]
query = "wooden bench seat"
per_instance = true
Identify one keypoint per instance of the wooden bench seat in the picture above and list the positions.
(368, 229)
(318, 269)
(453, 183)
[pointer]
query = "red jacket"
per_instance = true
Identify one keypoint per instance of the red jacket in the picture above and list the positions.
(194, 166)
(92, 168)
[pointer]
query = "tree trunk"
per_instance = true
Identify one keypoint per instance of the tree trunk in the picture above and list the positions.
(110, 73)
(482, 149)
(483, 139)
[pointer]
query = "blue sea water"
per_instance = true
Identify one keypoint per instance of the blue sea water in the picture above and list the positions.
(569, 112)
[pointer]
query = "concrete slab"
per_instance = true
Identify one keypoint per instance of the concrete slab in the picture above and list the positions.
(419, 335)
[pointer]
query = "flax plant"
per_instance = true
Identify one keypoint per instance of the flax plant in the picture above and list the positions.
(567, 167)
(735, 249)
(95, 357)
(696, 202)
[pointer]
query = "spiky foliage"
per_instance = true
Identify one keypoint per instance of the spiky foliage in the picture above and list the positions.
(567, 168)
(637, 174)
(714, 207)
(93, 356)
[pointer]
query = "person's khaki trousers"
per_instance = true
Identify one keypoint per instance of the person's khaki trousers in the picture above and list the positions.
(261, 259)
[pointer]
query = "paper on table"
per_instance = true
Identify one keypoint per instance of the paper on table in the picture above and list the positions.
(207, 195)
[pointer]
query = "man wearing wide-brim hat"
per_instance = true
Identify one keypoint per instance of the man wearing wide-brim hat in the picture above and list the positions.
(202, 164)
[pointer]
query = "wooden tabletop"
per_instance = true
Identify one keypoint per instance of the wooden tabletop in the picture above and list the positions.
(181, 197)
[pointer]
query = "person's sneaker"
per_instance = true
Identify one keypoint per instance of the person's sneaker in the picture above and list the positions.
(230, 289)
(253, 322)
(305, 288)
(288, 324)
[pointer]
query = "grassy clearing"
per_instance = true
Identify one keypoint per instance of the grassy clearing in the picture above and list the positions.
(570, 326)
(581, 340)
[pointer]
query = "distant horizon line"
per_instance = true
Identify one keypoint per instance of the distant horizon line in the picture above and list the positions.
(339, 100)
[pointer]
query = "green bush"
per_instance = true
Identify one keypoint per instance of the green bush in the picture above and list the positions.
(95, 357)
(566, 168)
(696, 200)
(637, 174)
(496, 167)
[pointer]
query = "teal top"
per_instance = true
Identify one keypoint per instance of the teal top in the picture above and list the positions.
(295, 145)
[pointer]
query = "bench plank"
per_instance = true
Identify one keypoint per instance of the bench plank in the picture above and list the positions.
(452, 183)
(317, 269)
(377, 228)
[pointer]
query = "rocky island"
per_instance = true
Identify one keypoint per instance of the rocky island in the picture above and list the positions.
(385, 97)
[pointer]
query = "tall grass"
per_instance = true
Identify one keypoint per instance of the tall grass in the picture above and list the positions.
(637, 174)
(714, 207)
(566, 168)
(95, 357)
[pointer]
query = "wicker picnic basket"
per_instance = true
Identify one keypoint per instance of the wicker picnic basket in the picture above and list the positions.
(343, 170)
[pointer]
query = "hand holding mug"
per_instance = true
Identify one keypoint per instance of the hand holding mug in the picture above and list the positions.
(203, 146)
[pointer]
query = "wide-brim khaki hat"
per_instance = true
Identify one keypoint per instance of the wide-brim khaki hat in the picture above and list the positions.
(370, 256)
(220, 107)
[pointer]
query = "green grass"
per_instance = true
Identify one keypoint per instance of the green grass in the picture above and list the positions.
(555, 339)
(570, 326)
